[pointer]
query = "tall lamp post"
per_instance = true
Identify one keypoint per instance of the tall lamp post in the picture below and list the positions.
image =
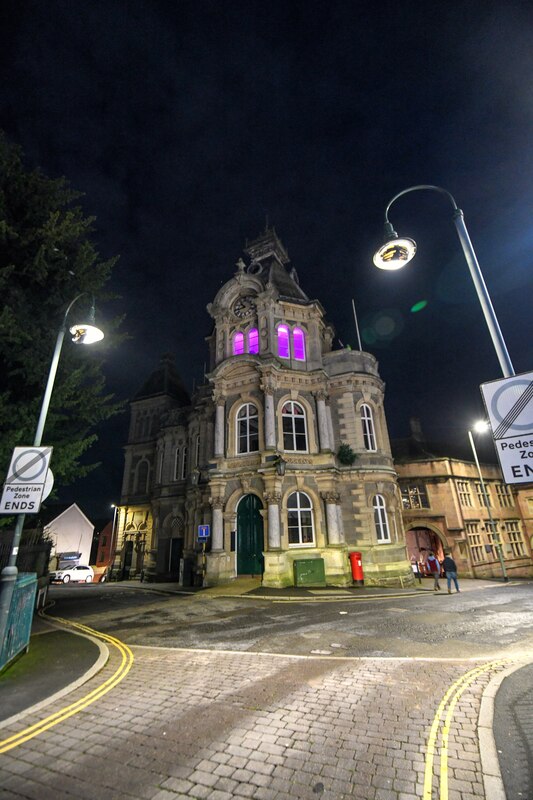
(481, 427)
(397, 252)
(82, 333)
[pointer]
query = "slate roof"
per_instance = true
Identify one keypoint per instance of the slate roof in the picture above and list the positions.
(165, 381)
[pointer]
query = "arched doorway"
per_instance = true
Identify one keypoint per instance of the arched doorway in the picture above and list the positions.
(250, 540)
(420, 541)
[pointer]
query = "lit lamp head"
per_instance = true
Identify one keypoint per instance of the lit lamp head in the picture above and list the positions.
(86, 332)
(395, 253)
(482, 426)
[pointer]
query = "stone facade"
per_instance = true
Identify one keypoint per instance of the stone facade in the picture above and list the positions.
(256, 452)
(444, 508)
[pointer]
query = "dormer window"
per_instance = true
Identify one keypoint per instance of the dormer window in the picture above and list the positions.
(283, 342)
(253, 341)
(238, 344)
(298, 343)
(291, 343)
(247, 342)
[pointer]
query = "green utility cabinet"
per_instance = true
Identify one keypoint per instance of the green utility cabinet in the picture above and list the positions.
(309, 572)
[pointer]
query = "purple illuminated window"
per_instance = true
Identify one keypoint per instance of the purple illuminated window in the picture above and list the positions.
(283, 342)
(238, 344)
(298, 341)
(253, 341)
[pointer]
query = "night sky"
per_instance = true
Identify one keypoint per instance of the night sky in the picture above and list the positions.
(188, 124)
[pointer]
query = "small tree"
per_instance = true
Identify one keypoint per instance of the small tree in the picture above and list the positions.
(46, 259)
(346, 455)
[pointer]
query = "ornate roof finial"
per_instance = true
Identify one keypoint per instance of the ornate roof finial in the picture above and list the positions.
(240, 265)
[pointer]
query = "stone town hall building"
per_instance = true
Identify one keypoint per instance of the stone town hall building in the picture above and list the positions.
(255, 453)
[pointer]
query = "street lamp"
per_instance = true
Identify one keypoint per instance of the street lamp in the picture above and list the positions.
(397, 252)
(481, 427)
(82, 333)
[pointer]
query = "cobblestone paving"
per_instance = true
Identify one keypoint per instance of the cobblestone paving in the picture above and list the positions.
(189, 724)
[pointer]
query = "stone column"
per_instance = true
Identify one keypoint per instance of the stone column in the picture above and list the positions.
(217, 533)
(335, 535)
(323, 430)
(219, 425)
(274, 523)
(270, 420)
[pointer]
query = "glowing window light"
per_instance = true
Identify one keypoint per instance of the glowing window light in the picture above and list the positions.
(253, 341)
(283, 342)
(298, 341)
(238, 344)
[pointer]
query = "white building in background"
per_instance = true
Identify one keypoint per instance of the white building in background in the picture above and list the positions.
(72, 535)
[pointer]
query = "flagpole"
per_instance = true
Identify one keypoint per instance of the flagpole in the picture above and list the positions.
(356, 325)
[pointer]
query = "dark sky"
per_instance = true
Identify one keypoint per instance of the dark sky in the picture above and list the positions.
(187, 123)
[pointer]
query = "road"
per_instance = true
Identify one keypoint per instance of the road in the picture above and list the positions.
(221, 698)
(485, 623)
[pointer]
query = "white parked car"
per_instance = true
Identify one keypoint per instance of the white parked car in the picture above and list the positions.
(78, 574)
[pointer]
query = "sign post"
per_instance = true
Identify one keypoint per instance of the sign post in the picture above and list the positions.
(203, 535)
(509, 405)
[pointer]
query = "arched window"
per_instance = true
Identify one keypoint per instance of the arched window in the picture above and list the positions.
(253, 340)
(197, 451)
(367, 421)
(381, 522)
(142, 478)
(300, 519)
(184, 463)
(294, 427)
(238, 344)
(298, 344)
(177, 464)
(247, 429)
(283, 342)
(160, 466)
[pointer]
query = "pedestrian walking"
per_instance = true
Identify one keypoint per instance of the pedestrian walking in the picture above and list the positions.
(434, 569)
(450, 568)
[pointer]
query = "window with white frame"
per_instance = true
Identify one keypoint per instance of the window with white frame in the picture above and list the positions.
(184, 462)
(475, 540)
(465, 498)
(381, 523)
(504, 495)
(514, 534)
(247, 429)
(294, 427)
(482, 499)
(367, 421)
(284, 348)
(298, 344)
(300, 519)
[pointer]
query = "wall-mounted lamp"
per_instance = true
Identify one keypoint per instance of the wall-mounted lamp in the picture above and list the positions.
(281, 465)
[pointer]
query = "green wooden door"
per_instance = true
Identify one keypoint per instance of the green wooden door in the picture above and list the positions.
(249, 536)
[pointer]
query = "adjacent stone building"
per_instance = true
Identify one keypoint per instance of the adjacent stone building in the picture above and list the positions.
(283, 452)
(444, 508)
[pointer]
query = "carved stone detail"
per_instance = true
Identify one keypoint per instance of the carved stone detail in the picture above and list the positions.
(216, 502)
(331, 497)
(272, 498)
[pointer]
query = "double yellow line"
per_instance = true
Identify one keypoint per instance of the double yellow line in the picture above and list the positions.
(69, 711)
(451, 698)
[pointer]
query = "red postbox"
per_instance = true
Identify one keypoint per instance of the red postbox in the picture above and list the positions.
(357, 568)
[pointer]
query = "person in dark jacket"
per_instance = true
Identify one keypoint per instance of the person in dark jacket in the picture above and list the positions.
(450, 568)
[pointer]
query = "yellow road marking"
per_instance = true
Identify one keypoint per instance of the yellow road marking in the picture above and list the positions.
(69, 711)
(454, 692)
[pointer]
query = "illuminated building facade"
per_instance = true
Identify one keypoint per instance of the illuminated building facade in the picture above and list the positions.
(283, 452)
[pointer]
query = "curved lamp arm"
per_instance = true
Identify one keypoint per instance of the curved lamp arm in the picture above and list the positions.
(475, 272)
